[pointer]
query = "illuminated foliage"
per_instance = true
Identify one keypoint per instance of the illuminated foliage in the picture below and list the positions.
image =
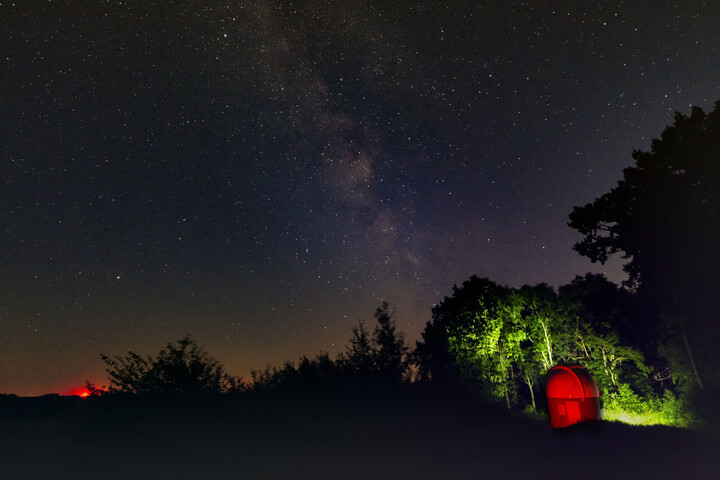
(487, 342)
(624, 405)
(546, 321)
(499, 339)
(605, 357)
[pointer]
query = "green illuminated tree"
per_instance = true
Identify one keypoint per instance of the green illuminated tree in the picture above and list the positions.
(528, 373)
(433, 352)
(608, 360)
(512, 360)
(482, 323)
(498, 338)
(546, 322)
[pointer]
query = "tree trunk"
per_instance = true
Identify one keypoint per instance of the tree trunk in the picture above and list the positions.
(692, 359)
(547, 344)
(532, 396)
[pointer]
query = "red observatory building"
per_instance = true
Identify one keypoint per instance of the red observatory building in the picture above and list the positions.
(572, 394)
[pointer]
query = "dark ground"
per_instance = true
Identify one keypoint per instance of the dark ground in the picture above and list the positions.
(406, 433)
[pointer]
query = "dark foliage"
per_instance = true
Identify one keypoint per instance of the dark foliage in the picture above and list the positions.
(601, 303)
(390, 360)
(181, 368)
(667, 203)
(664, 218)
(360, 353)
(368, 360)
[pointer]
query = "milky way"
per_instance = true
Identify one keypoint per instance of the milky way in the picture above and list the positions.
(263, 174)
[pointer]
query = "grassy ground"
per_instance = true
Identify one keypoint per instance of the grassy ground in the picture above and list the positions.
(405, 433)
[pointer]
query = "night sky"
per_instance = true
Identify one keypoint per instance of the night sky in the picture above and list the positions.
(263, 174)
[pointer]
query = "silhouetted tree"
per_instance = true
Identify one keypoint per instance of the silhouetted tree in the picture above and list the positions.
(367, 358)
(664, 219)
(607, 307)
(179, 368)
(131, 374)
(307, 373)
(360, 352)
(432, 354)
(382, 354)
(94, 390)
(391, 352)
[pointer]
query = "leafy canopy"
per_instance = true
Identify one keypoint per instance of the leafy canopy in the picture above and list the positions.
(495, 338)
(663, 216)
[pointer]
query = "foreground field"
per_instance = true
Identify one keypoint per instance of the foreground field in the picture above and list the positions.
(407, 433)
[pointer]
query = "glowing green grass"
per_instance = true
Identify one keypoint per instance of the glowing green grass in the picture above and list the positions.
(634, 418)
(628, 407)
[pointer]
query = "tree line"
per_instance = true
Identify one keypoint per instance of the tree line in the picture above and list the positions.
(651, 344)
(379, 356)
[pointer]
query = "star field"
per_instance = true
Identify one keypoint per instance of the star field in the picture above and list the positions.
(262, 174)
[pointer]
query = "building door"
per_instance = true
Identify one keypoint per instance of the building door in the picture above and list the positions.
(573, 412)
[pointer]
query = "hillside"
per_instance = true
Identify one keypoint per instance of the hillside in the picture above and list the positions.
(404, 433)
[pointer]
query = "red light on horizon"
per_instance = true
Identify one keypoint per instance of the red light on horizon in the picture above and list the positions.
(81, 392)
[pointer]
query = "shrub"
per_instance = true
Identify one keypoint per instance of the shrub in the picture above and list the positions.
(179, 368)
(626, 406)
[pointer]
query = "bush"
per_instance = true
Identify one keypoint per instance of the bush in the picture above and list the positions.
(626, 406)
(179, 368)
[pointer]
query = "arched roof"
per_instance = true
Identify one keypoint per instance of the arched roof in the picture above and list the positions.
(588, 382)
(564, 383)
